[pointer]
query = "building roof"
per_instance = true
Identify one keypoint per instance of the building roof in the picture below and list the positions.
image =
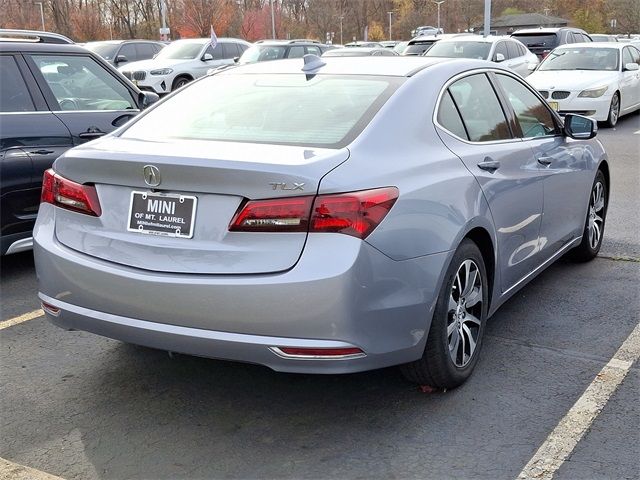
(522, 19)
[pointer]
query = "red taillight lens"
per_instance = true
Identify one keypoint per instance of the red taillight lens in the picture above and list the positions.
(356, 213)
(275, 215)
(64, 193)
(320, 352)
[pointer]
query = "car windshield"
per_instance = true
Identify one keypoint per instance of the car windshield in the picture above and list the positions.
(180, 51)
(263, 53)
(479, 50)
(289, 109)
(581, 59)
(105, 50)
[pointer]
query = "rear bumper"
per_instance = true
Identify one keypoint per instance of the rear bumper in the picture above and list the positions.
(341, 293)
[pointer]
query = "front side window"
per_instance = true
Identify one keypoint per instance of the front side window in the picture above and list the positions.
(80, 83)
(289, 109)
(14, 94)
(501, 47)
(626, 56)
(480, 109)
(128, 50)
(534, 117)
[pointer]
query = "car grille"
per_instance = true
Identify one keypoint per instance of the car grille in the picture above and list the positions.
(139, 75)
(559, 95)
(544, 93)
(127, 74)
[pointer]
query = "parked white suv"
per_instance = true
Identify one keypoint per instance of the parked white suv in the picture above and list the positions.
(182, 61)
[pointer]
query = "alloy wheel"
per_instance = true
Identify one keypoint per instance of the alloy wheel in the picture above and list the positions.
(596, 215)
(614, 111)
(465, 312)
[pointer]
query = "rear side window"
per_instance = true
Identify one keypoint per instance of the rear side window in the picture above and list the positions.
(296, 51)
(314, 50)
(288, 109)
(481, 112)
(449, 118)
(14, 94)
(534, 117)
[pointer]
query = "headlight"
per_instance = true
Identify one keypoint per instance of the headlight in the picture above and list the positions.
(161, 71)
(593, 92)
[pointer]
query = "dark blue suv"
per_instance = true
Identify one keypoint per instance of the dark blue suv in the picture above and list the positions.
(53, 96)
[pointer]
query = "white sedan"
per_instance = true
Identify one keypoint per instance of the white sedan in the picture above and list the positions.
(598, 80)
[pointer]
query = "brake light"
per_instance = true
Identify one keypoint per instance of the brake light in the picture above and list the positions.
(355, 213)
(69, 195)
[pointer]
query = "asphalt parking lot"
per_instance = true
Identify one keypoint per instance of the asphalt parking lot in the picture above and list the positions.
(85, 407)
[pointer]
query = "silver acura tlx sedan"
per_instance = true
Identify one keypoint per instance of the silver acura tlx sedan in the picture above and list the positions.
(321, 215)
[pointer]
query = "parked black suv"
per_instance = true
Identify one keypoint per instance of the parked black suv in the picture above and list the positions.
(53, 96)
(121, 52)
(542, 40)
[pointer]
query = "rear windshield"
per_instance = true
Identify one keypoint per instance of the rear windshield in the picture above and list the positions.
(263, 53)
(546, 41)
(479, 50)
(418, 48)
(289, 109)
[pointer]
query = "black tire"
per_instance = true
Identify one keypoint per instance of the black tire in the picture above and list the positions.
(614, 111)
(179, 82)
(596, 217)
(437, 367)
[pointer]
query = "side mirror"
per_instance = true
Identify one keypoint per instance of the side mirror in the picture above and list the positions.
(235, 59)
(146, 99)
(120, 59)
(579, 127)
(631, 67)
(499, 58)
(206, 57)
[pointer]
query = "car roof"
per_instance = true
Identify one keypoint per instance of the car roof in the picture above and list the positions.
(41, 47)
(547, 30)
(32, 36)
(392, 66)
(615, 45)
(440, 36)
(478, 38)
(118, 42)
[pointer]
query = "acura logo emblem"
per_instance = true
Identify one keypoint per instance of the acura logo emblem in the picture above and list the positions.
(151, 175)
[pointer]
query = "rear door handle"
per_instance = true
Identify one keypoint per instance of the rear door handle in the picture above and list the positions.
(489, 165)
(42, 151)
(546, 161)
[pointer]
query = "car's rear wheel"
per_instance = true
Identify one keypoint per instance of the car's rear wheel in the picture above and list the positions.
(594, 224)
(180, 82)
(614, 111)
(455, 336)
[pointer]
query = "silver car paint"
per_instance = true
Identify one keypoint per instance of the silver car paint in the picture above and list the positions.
(378, 294)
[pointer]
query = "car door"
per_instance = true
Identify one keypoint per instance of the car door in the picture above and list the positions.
(629, 82)
(503, 166)
(90, 98)
(516, 61)
(31, 138)
(565, 165)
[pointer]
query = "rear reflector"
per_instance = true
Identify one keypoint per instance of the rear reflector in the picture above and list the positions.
(354, 213)
(336, 353)
(69, 195)
(50, 309)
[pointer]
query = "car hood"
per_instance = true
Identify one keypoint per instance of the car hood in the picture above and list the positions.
(153, 64)
(571, 80)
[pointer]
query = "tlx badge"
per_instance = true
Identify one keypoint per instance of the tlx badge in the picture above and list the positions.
(284, 186)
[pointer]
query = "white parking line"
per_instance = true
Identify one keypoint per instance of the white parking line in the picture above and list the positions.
(564, 438)
(22, 318)
(14, 471)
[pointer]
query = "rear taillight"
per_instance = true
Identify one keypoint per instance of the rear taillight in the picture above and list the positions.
(64, 193)
(354, 213)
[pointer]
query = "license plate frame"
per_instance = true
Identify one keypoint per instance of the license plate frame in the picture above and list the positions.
(163, 218)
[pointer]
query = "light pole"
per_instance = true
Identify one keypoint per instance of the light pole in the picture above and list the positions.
(273, 21)
(390, 13)
(41, 13)
(438, 3)
(341, 18)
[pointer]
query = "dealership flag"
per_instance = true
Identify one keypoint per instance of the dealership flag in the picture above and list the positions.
(214, 39)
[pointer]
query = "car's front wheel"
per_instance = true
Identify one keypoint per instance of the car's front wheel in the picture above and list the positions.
(614, 111)
(179, 82)
(594, 224)
(455, 335)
